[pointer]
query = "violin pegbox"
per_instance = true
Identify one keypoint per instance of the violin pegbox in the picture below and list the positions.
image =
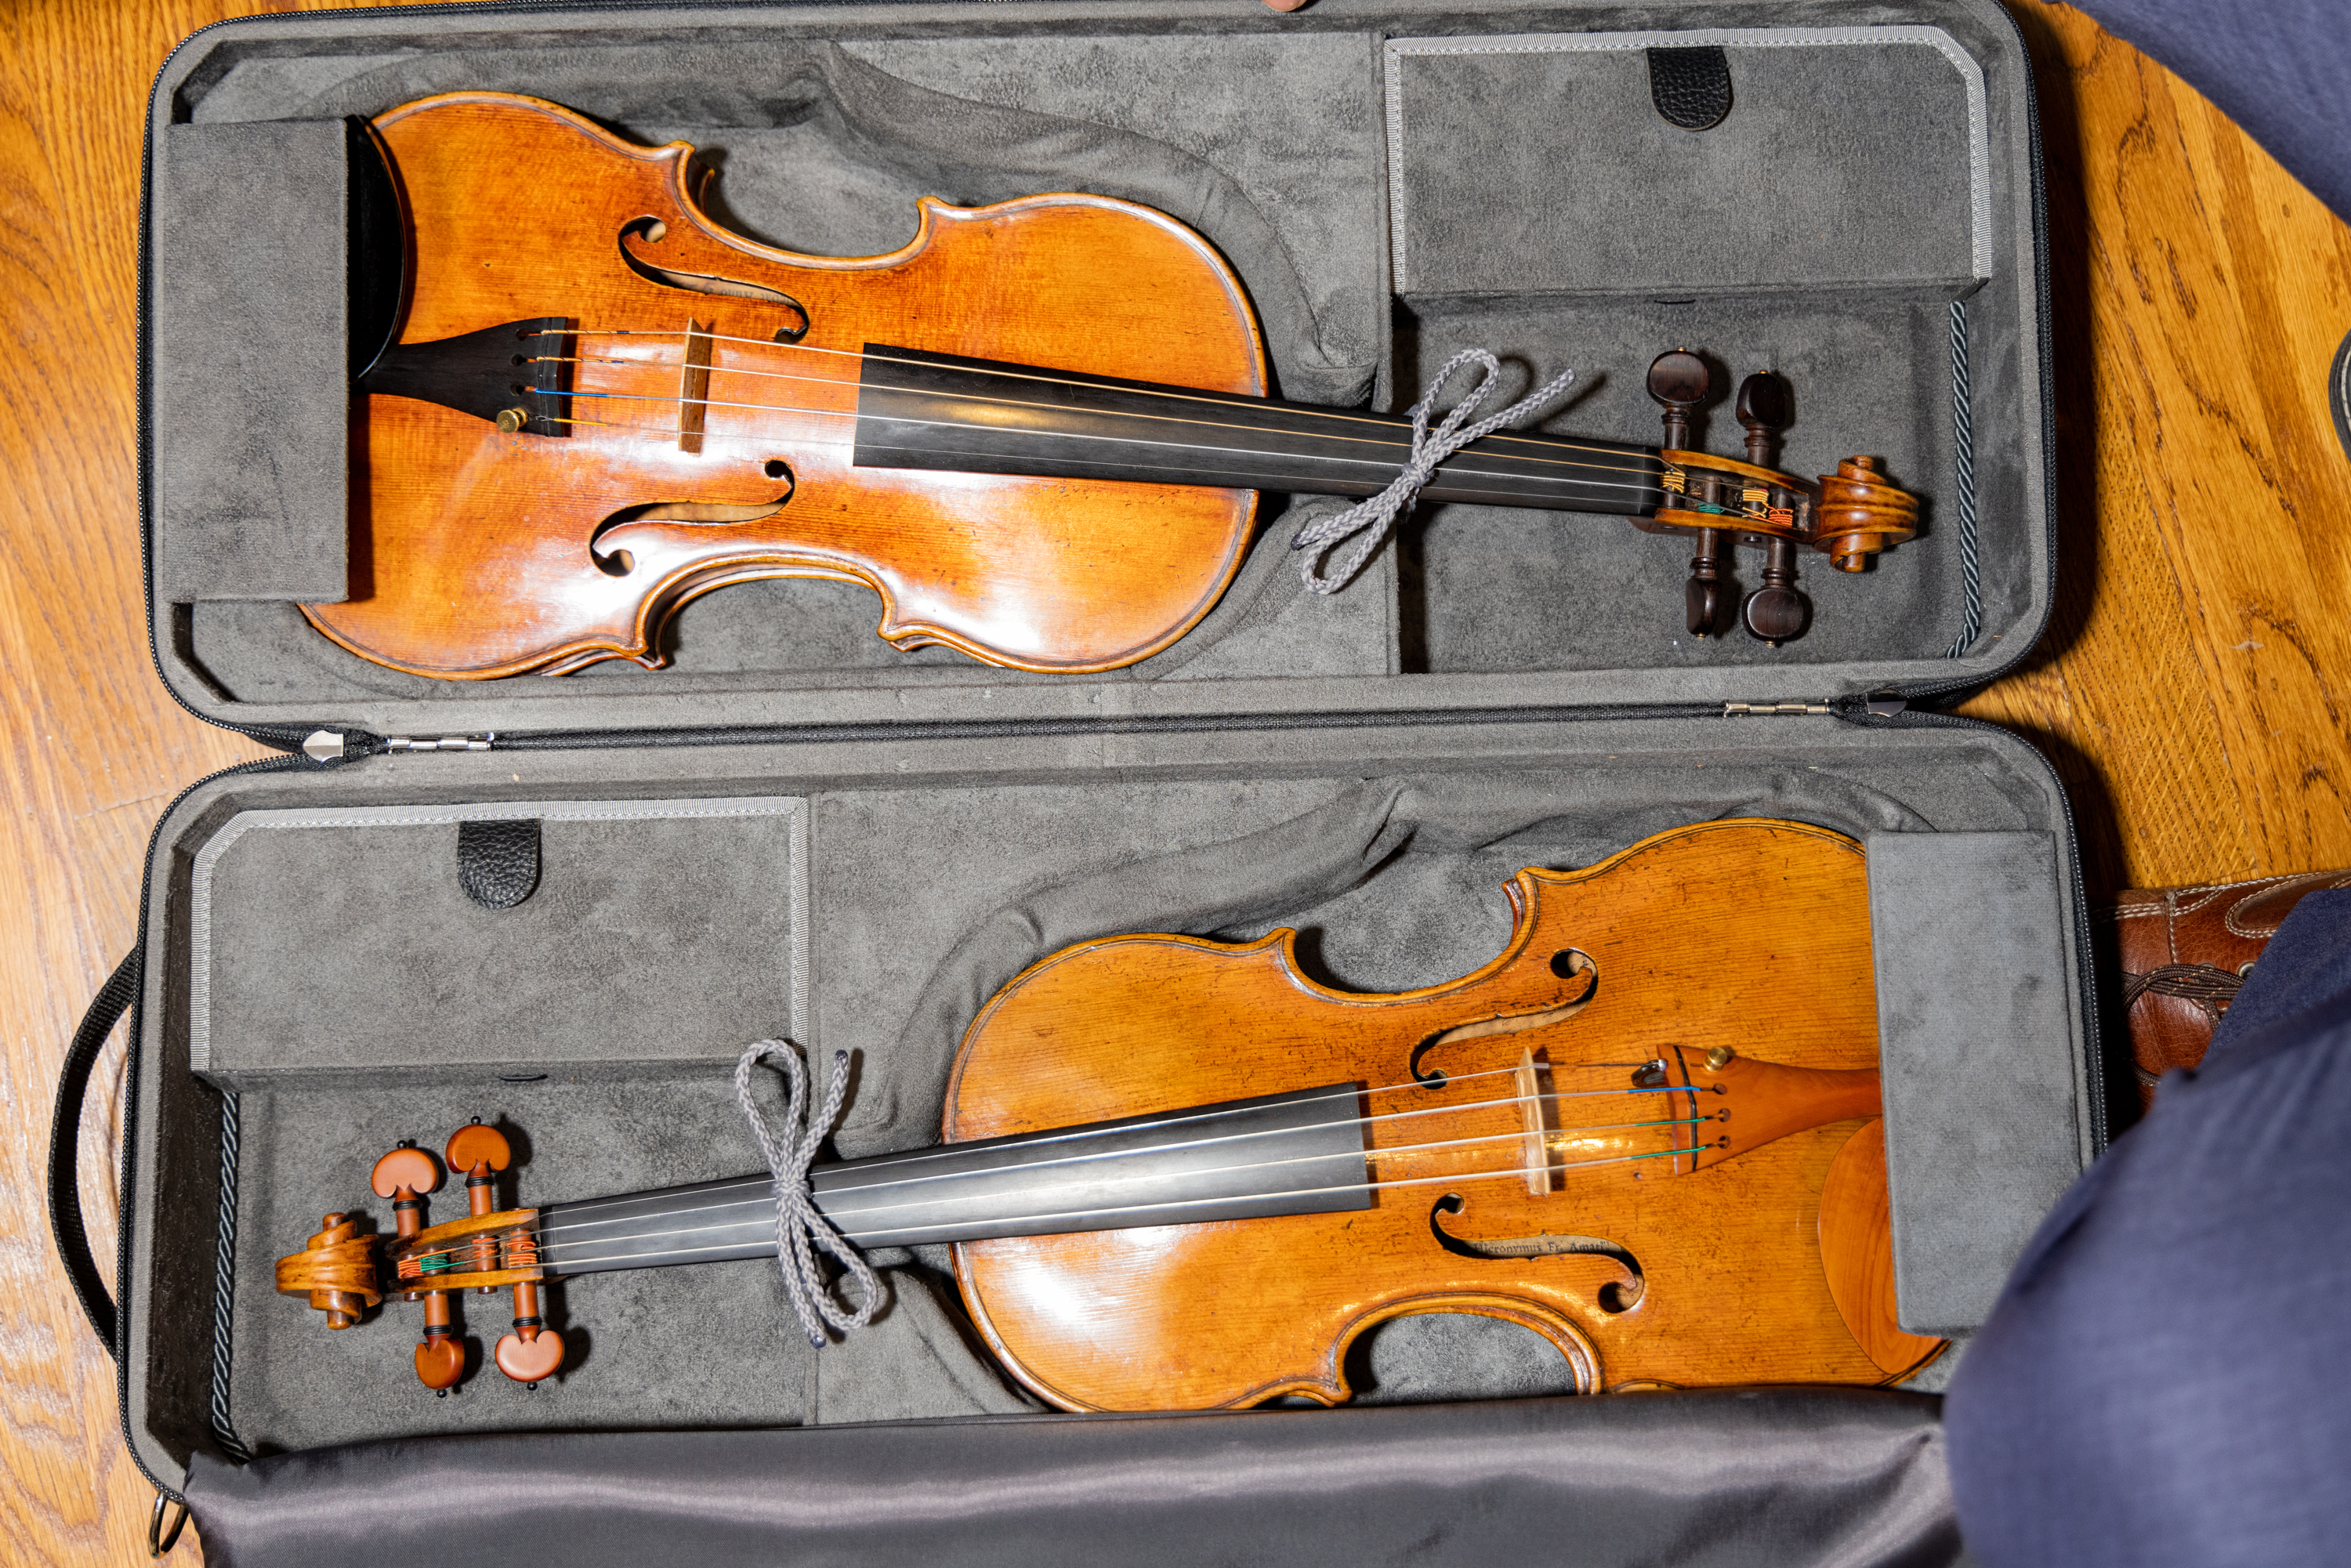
(488, 1250)
(1849, 516)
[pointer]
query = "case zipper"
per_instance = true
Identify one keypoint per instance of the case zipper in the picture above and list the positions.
(446, 742)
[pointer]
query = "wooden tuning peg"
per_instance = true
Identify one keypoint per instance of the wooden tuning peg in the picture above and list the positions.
(478, 1150)
(406, 1176)
(1778, 610)
(1678, 381)
(1762, 410)
(1703, 595)
(532, 1351)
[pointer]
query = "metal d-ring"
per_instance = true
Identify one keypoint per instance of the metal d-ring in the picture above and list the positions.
(158, 1541)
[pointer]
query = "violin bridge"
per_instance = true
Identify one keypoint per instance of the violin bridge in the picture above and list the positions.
(694, 385)
(1531, 1114)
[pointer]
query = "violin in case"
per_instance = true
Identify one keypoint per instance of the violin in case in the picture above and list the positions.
(1341, 977)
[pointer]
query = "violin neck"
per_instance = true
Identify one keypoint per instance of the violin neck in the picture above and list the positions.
(942, 412)
(1301, 1153)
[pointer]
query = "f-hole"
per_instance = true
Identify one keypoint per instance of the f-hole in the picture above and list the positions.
(653, 231)
(1567, 964)
(1616, 1296)
(618, 562)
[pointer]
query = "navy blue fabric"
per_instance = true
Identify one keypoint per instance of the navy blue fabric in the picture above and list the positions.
(2156, 1384)
(2277, 67)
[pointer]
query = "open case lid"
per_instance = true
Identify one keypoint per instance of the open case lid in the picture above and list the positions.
(1866, 219)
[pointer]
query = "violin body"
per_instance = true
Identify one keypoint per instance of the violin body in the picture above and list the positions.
(480, 551)
(1761, 1255)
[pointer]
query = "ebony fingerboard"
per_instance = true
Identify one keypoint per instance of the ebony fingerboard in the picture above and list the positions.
(945, 413)
(1246, 1159)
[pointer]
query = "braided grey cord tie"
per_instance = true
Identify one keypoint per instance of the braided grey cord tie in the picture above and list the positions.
(799, 1227)
(1378, 512)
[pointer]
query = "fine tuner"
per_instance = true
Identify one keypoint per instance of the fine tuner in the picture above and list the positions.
(1849, 516)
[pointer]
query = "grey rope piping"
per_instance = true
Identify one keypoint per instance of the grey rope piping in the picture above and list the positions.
(800, 1230)
(1963, 455)
(225, 1286)
(1375, 515)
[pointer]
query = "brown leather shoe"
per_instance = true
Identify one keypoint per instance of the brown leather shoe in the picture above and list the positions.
(2185, 951)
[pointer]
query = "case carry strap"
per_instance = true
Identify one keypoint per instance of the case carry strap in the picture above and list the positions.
(114, 999)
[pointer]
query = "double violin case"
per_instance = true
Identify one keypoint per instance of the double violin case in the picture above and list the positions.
(562, 905)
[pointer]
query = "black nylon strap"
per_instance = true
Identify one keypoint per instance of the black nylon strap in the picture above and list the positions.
(113, 1000)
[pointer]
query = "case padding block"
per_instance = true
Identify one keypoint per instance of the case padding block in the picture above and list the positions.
(1981, 1096)
(250, 351)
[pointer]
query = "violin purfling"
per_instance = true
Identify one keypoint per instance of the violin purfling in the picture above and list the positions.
(1182, 1175)
(1037, 430)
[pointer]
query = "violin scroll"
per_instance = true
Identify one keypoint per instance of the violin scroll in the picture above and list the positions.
(336, 1270)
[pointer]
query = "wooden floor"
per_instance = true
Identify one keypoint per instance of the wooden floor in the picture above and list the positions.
(2195, 689)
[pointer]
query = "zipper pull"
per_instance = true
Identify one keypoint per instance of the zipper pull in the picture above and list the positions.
(1733, 710)
(446, 742)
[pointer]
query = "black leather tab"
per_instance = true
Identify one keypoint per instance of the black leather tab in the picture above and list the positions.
(497, 862)
(1691, 88)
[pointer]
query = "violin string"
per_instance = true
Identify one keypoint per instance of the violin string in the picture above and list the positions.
(1174, 1119)
(1208, 1113)
(949, 1151)
(1028, 373)
(1374, 462)
(1653, 466)
(1360, 1123)
(861, 1218)
(1516, 1173)
(659, 1226)
(1211, 1113)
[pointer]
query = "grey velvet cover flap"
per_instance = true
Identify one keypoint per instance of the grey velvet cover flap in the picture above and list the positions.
(1982, 1086)
(252, 407)
(338, 940)
(1882, 127)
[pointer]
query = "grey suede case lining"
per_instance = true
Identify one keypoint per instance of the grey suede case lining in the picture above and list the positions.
(1542, 209)
(338, 942)
(1669, 211)
(936, 870)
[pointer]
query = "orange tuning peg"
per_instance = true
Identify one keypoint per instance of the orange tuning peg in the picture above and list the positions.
(404, 1175)
(533, 1351)
(478, 1150)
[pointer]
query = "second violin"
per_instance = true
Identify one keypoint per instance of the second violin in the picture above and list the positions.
(1037, 430)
